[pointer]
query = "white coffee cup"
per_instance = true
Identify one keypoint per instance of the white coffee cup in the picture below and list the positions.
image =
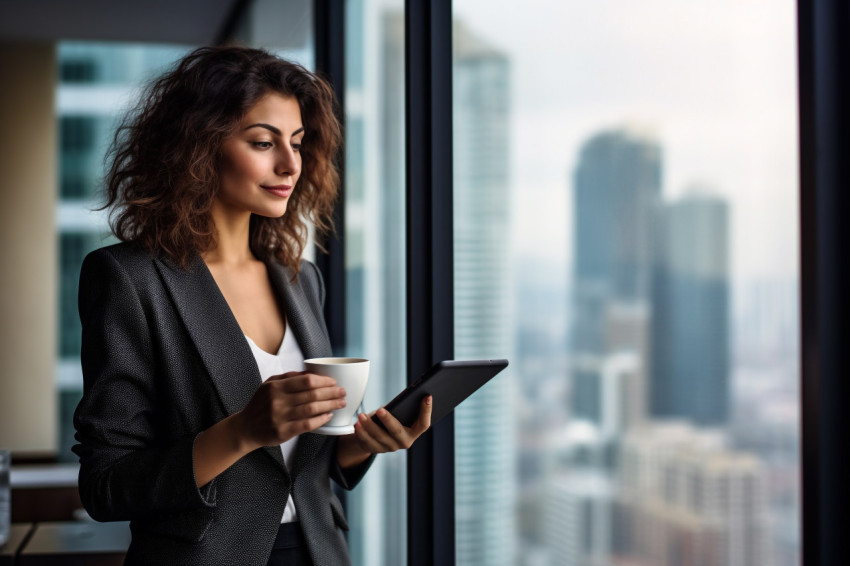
(352, 374)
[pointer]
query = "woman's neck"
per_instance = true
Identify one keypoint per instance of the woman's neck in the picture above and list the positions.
(232, 239)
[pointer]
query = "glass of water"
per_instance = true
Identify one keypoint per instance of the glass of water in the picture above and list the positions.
(5, 496)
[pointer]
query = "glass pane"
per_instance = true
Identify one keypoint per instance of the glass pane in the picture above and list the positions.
(96, 81)
(626, 234)
(374, 231)
(375, 257)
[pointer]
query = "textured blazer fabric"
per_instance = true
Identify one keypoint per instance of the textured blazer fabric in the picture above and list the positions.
(163, 359)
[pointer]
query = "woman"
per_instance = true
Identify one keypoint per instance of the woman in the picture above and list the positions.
(195, 423)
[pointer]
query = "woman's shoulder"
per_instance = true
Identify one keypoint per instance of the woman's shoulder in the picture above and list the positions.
(129, 257)
(120, 251)
(311, 276)
(309, 268)
(123, 252)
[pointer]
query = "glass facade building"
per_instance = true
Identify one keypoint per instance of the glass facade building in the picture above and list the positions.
(96, 82)
(483, 288)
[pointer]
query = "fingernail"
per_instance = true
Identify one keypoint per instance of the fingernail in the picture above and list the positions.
(341, 392)
(382, 413)
(342, 402)
(428, 400)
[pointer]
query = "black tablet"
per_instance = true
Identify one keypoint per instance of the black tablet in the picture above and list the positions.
(450, 382)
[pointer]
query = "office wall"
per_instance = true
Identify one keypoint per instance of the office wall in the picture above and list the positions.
(28, 293)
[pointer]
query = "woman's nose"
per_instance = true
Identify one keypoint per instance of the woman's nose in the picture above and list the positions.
(288, 163)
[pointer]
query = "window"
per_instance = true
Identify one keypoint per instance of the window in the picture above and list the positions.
(80, 155)
(89, 105)
(625, 181)
(375, 256)
(78, 70)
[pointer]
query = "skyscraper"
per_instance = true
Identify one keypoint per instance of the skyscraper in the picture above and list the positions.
(484, 425)
(374, 257)
(690, 320)
(617, 190)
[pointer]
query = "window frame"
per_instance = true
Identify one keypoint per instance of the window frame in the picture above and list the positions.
(824, 55)
(824, 138)
(430, 268)
(429, 247)
(329, 47)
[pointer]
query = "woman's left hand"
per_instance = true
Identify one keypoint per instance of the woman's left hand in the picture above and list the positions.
(369, 438)
(394, 436)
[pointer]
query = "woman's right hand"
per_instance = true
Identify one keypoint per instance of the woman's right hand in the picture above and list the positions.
(288, 405)
(283, 407)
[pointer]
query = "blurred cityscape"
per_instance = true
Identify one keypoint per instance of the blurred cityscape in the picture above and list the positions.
(656, 403)
(661, 428)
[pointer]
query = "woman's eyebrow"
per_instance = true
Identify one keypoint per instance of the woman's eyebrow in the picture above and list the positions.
(268, 127)
(272, 129)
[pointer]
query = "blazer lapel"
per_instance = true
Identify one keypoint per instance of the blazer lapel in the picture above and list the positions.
(214, 331)
(223, 348)
(302, 319)
(312, 339)
(216, 335)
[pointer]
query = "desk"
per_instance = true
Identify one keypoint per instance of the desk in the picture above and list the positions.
(73, 543)
(45, 493)
(17, 536)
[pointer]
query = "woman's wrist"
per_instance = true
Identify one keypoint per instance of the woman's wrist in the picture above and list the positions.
(238, 437)
(219, 447)
(349, 452)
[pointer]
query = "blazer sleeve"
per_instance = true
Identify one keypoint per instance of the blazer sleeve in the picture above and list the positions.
(126, 473)
(349, 478)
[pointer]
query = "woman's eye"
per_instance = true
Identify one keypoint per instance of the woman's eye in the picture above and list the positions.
(296, 147)
(262, 144)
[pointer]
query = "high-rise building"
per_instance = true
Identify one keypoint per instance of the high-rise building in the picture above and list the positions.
(605, 391)
(374, 257)
(685, 499)
(484, 424)
(95, 81)
(577, 520)
(690, 319)
(617, 187)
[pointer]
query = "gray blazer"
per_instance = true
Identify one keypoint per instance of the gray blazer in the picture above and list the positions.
(163, 359)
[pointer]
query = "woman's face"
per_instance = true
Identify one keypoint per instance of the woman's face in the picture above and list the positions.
(261, 161)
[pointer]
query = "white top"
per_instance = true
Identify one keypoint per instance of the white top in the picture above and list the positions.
(288, 358)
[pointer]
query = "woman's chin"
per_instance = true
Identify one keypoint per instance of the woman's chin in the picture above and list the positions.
(271, 212)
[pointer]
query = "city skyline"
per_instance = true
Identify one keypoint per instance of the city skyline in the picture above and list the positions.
(709, 471)
(704, 78)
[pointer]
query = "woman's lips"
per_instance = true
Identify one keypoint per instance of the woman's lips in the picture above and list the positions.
(282, 191)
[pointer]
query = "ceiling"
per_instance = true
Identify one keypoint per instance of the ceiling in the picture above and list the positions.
(191, 22)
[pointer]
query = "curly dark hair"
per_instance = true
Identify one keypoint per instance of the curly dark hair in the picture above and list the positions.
(162, 174)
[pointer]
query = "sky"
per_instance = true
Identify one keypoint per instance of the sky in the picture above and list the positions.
(714, 81)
